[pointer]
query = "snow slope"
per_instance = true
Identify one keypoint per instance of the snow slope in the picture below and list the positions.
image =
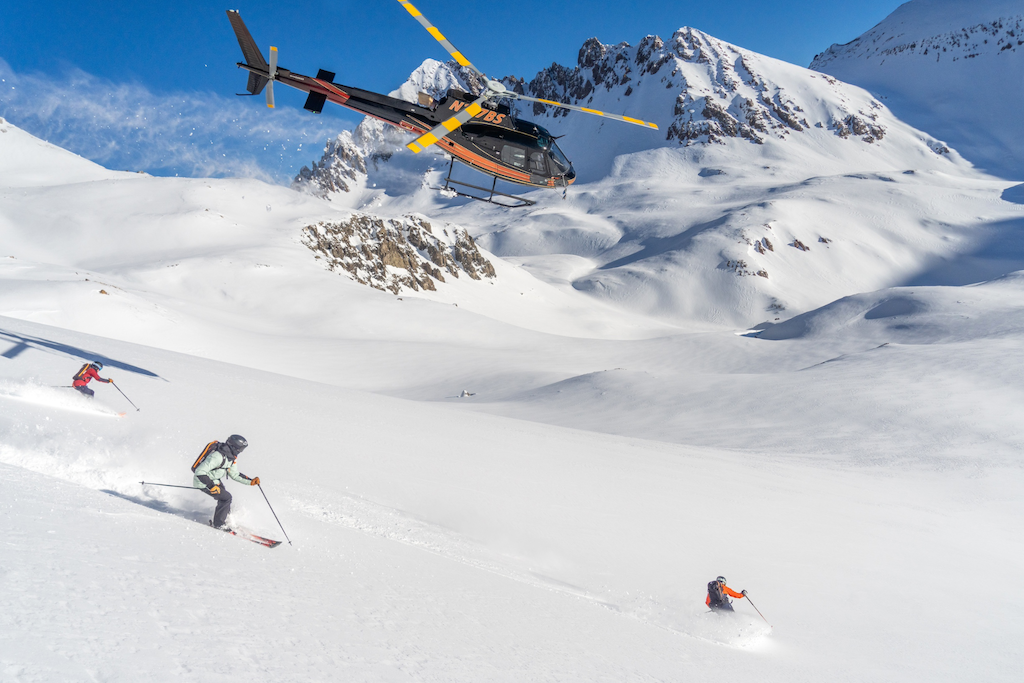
(432, 545)
(951, 68)
(531, 476)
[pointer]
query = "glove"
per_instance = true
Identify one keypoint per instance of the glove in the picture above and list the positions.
(214, 489)
(744, 593)
(255, 481)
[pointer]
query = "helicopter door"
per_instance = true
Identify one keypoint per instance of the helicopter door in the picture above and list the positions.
(537, 164)
(513, 156)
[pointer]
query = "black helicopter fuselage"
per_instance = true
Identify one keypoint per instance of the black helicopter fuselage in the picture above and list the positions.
(494, 142)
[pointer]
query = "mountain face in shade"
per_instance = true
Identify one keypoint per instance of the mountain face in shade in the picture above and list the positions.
(954, 69)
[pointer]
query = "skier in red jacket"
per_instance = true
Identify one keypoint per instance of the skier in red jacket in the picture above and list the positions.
(717, 592)
(89, 372)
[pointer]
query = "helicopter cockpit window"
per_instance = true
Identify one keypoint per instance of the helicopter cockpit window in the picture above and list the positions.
(537, 165)
(543, 141)
(560, 163)
(514, 156)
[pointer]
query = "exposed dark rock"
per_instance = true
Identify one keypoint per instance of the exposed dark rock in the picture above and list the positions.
(395, 254)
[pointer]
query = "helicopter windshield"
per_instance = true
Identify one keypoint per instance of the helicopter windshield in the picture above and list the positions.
(558, 160)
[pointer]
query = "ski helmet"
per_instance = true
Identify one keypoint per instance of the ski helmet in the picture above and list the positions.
(98, 365)
(236, 443)
(721, 580)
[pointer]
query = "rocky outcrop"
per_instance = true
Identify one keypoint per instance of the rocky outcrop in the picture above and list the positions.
(866, 129)
(721, 91)
(396, 254)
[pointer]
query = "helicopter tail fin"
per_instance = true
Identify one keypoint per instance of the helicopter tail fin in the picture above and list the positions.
(252, 54)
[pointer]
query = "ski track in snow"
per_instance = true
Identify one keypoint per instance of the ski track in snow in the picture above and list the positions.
(63, 398)
(360, 515)
(394, 525)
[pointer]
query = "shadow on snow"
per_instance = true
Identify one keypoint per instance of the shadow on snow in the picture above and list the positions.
(24, 342)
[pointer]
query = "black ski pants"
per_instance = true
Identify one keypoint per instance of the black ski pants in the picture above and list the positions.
(84, 390)
(721, 607)
(223, 505)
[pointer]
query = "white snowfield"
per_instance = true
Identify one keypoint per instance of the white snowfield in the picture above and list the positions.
(531, 477)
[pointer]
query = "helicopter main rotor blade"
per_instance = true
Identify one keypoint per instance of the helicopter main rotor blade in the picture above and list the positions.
(273, 74)
(627, 119)
(447, 126)
(445, 43)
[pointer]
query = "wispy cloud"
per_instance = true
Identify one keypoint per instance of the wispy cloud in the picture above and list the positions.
(127, 126)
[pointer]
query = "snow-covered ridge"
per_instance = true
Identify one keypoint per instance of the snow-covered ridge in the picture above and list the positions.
(953, 69)
(27, 161)
(720, 90)
(998, 37)
(346, 158)
(698, 89)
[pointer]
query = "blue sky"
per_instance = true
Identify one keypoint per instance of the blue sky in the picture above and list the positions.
(149, 85)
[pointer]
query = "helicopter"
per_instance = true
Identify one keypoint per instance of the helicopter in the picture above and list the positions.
(478, 130)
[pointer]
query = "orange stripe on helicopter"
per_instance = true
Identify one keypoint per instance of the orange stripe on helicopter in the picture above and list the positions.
(331, 88)
(486, 164)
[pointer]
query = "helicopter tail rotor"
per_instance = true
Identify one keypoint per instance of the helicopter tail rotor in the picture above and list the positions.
(627, 119)
(273, 74)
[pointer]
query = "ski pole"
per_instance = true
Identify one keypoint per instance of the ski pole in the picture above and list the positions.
(137, 409)
(274, 513)
(756, 610)
(170, 486)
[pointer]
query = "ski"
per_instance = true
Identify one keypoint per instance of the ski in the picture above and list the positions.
(265, 542)
(268, 542)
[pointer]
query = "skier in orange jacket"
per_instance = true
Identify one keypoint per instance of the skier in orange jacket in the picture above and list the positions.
(717, 598)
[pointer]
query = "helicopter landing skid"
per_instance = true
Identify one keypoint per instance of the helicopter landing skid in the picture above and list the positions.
(490, 199)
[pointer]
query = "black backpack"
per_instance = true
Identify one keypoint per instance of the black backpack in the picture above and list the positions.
(81, 373)
(206, 451)
(715, 593)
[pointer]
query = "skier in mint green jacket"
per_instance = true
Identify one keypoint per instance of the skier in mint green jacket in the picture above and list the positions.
(218, 463)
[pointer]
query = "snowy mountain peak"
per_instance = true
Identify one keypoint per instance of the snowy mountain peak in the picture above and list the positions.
(345, 160)
(950, 68)
(913, 30)
(700, 91)
(436, 78)
(713, 91)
